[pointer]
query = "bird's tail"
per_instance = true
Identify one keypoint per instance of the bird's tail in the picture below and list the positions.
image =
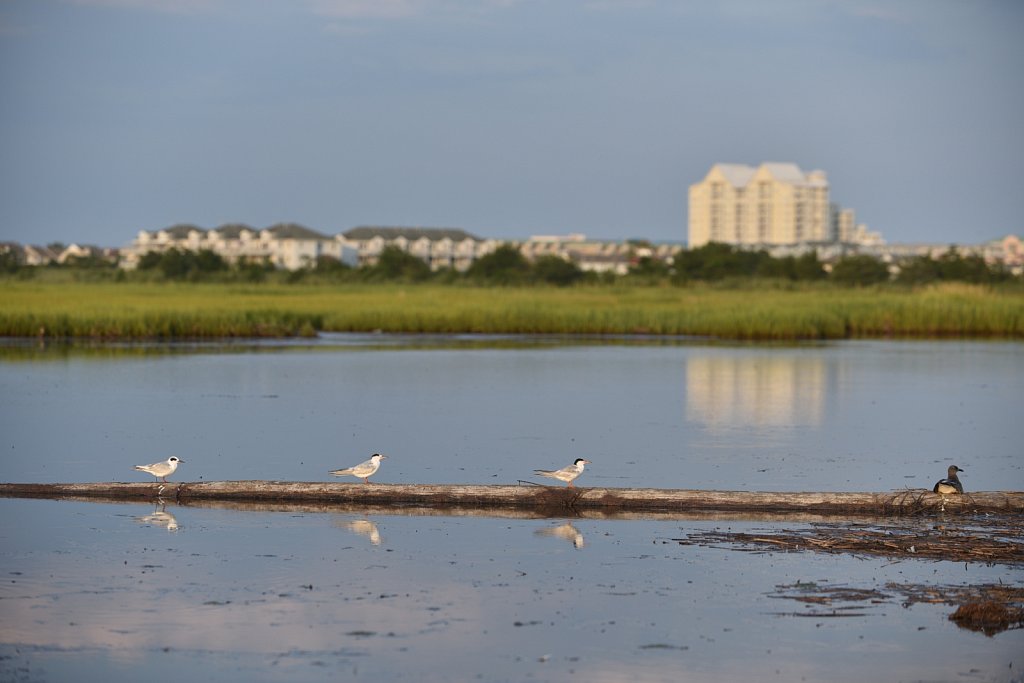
(341, 473)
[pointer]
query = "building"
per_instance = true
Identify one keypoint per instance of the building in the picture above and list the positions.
(440, 248)
(1007, 251)
(595, 256)
(773, 204)
(286, 245)
(79, 252)
(846, 230)
(844, 223)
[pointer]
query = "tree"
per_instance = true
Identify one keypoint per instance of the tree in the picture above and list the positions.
(208, 261)
(255, 270)
(556, 270)
(150, 260)
(88, 262)
(9, 262)
(649, 268)
(860, 269)
(503, 266)
(972, 268)
(808, 267)
(396, 264)
(918, 270)
(717, 261)
(175, 264)
(331, 265)
(949, 266)
(179, 264)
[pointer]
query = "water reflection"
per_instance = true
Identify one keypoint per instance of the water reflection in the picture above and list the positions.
(251, 594)
(363, 527)
(32, 349)
(755, 389)
(159, 517)
(565, 531)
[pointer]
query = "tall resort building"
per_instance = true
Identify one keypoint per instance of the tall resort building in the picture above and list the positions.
(773, 204)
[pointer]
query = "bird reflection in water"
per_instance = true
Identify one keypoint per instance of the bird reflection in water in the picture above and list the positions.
(159, 517)
(363, 527)
(566, 531)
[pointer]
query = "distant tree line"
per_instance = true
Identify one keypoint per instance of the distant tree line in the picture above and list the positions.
(506, 266)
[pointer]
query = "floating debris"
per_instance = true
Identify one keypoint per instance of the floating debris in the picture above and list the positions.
(988, 608)
(989, 617)
(990, 539)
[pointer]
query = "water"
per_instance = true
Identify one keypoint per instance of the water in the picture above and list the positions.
(833, 417)
(120, 591)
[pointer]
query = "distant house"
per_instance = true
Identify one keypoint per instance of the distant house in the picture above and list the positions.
(38, 256)
(286, 245)
(73, 252)
(1009, 251)
(12, 256)
(235, 242)
(292, 246)
(182, 236)
(596, 256)
(439, 247)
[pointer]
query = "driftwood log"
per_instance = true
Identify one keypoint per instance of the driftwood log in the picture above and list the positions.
(545, 500)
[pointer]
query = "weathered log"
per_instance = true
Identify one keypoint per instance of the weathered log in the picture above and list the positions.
(547, 500)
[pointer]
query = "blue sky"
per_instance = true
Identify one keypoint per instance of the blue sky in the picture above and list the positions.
(503, 117)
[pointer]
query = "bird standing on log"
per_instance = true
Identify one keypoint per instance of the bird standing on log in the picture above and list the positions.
(161, 470)
(566, 474)
(951, 484)
(363, 470)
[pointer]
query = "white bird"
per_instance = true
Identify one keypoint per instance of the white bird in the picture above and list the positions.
(566, 474)
(363, 470)
(161, 470)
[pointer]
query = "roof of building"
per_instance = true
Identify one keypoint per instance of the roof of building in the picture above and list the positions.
(294, 231)
(738, 175)
(181, 230)
(366, 232)
(233, 230)
(785, 172)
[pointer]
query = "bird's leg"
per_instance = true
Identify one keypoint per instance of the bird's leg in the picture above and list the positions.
(571, 486)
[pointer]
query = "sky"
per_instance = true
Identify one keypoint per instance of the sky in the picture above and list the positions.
(506, 118)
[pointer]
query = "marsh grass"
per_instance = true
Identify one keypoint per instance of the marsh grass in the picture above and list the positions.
(112, 310)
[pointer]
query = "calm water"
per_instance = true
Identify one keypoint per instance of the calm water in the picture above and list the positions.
(202, 593)
(848, 416)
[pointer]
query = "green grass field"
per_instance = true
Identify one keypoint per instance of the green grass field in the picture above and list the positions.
(133, 310)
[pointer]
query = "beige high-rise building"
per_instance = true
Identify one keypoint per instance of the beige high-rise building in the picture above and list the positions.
(846, 224)
(775, 203)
